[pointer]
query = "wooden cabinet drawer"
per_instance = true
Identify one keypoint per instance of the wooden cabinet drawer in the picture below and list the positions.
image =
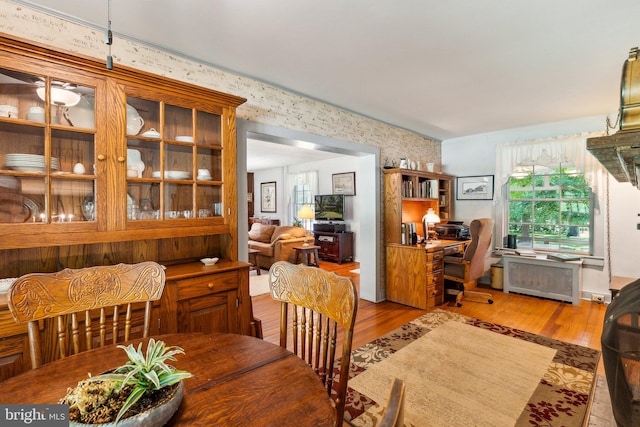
(433, 266)
(8, 326)
(204, 285)
(434, 278)
(454, 249)
(436, 256)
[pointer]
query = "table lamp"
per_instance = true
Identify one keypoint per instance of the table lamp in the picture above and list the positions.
(305, 213)
(429, 220)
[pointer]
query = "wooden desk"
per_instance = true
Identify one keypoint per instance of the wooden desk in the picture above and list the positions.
(414, 274)
(238, 380)
(308, 255)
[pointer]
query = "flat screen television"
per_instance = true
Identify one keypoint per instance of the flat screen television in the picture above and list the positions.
(329, 207)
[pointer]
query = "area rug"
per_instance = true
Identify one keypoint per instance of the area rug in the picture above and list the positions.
(461, 371)
(259, 285)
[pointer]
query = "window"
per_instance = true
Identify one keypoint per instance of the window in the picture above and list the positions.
(302, 187)
(301, 196)
(550, 210)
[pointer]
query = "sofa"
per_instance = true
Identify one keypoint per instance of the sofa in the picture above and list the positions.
(276, 242)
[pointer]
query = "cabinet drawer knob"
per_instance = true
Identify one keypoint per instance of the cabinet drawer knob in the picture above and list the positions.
(210, 285)
(101, 157)
(121, 159)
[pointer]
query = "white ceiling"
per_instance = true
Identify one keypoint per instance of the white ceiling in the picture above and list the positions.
(442, 69)
(267, 155)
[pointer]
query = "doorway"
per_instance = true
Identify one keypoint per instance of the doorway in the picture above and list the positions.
(368, 159)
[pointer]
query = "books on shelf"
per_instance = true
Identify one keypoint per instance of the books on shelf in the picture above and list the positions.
(429, 189)
(409, 233)
(425, 189)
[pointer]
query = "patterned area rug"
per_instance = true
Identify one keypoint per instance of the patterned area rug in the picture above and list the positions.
(462, 371)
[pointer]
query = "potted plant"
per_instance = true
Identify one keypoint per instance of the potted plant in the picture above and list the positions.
(143, 391)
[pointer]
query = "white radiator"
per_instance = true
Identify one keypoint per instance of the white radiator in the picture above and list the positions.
(558, 280)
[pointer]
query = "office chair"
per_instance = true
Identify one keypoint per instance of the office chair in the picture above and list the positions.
(467, 269)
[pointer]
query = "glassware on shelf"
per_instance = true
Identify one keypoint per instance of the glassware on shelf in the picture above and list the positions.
(89, 208)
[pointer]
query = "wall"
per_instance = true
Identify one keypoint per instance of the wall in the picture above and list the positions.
(326, 169)
(615, 233)
(276, 175)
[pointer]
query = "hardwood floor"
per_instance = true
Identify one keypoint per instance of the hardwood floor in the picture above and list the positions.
(565, 322)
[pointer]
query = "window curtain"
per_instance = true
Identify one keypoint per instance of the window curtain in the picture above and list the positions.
(309, 178)
(565, 149)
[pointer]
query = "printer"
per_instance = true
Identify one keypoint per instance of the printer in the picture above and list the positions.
(453, 230)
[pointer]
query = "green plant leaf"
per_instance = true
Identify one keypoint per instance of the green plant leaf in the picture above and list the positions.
(135, 395)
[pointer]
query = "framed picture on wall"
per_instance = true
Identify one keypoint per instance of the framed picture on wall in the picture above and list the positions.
(344, 183)
(268, 196)
(474, 187)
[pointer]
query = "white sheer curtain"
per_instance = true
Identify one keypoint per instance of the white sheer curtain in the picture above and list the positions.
(308, 178)
(565, 149)
(569, 149)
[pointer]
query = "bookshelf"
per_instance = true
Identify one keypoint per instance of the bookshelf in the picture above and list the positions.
(407, 196)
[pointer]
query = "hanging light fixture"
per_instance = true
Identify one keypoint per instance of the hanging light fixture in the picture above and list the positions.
(62, 94)
(108, 37)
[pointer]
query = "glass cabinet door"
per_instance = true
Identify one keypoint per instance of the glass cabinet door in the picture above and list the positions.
(174, 162)
(47, 149)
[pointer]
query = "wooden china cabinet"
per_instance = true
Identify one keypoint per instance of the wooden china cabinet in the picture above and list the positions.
(97, 155)
(103, 166)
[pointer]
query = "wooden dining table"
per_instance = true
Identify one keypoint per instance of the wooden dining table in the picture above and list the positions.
(237, 380)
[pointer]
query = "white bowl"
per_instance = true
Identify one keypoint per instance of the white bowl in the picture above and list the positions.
(151, 133)
(209, 261)
(184, 138)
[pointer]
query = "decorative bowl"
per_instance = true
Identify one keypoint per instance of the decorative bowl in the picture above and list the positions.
(151, 133)
(209, 261)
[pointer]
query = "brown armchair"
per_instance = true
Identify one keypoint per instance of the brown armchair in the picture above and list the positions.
(467, 269)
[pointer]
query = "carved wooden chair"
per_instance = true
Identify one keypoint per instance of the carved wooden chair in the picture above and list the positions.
(466, 270)
(393, 415)
(322, 303)
(76, 299)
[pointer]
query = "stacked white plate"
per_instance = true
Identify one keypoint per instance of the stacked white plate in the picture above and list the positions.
(28, 162)
(172, 175)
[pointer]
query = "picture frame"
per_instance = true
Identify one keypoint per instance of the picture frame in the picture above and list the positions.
(344, 183)
(474, 187)
(268, 196)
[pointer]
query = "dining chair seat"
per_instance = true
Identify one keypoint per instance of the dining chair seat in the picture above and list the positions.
(90, 307)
